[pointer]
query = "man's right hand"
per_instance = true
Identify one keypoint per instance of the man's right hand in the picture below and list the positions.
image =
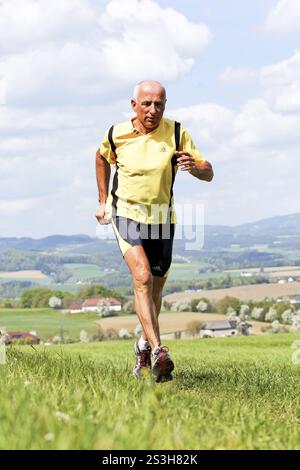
(101, 215)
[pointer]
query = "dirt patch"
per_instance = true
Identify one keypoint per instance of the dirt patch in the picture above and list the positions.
(252, 292)
(169, 322)
(23, 275)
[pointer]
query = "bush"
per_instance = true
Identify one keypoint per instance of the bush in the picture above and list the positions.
(271, 315)
(111, 333)
(193, 327)
(99, 335)
(223, 304)
(287, 317)
(258, 314)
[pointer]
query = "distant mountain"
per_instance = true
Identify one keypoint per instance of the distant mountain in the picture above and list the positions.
(280, 231)
(276, 232)
(53, 242)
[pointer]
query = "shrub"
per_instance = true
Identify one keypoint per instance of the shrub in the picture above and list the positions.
(258, 313)
(98, 335)
(223, 304)
(111, 333)
(271, 315)
(287, 317)
(193, 327)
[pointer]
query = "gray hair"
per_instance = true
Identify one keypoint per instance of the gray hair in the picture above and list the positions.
(140, 85)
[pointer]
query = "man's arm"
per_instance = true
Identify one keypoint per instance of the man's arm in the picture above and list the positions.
(102, 176)
(201, 170)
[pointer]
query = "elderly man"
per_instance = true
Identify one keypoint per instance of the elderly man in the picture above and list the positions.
(147, 151)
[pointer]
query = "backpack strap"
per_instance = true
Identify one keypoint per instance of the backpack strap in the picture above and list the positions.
(177, 126)
(110, 138)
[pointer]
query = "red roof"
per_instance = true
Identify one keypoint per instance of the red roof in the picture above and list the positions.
(75, 306)
(113, 301)
(93, 302)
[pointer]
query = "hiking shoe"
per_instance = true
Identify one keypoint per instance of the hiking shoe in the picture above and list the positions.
(162, 365)
(143, 361)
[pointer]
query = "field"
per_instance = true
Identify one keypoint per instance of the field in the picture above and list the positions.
(170, 322)
(246, 293)
(83, 272)
(190, 272)
(231, 393)
(28, 275)
(47, 322)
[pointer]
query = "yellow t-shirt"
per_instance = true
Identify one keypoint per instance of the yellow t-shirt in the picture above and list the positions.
(142, 185)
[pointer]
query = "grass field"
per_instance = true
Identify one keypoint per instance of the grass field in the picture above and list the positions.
(47, 322)
(190, 272)
(234, 393)
(83, 272)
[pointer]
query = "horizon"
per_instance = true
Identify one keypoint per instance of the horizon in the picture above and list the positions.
(101, 239)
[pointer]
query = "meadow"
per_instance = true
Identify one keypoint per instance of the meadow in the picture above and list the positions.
(227, 393)
(47, 322)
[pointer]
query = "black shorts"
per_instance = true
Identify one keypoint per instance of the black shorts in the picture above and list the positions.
(156, 239)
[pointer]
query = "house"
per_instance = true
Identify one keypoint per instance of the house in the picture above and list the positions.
(98, 303)
(24, 335)
(295, 300)
(218, 328)
(114, 304)
(91, 305)
(75, 307)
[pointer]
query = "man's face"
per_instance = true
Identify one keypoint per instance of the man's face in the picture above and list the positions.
(149, 106)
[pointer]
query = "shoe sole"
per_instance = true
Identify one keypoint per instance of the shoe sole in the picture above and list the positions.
(159, 372)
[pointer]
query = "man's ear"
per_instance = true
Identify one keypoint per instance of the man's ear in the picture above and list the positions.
(133, 104)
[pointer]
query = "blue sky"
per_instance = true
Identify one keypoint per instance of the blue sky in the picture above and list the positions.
(67, 70)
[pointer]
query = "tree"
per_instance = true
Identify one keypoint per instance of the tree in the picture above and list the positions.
(271, 315)
(223, 304)
(287, 317)
(193, 327)
(257, 313)
(55, 302)
(244, 311)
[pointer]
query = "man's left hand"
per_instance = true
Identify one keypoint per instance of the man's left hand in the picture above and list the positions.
(185, 160)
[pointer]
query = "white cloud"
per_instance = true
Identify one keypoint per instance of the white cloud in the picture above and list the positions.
(284, 17)
(281, 84)
(13, 207)
(241, 74)
(282, 73)
(67, 54)
(27, 24)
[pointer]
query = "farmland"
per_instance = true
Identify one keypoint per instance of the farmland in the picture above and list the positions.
(245, 293)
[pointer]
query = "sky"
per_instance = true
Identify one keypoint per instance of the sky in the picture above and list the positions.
(67, 71)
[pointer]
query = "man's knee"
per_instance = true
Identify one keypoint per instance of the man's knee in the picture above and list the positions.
(142, 279)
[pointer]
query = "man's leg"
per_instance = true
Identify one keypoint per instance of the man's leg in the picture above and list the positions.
(142, 279)
(157, 288)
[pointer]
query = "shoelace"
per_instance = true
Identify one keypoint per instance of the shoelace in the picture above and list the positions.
(160, 349)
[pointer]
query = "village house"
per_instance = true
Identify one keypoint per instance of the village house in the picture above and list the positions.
(96, 304)
(219, 328)
(11, 336)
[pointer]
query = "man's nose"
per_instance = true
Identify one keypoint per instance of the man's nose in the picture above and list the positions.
(153, 109)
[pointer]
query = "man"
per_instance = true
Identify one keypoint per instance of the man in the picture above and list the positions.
(147, 152)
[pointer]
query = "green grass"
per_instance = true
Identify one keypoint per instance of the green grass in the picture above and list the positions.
(84, 272)
(47, 322)
(189, 272)
(228, 393)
